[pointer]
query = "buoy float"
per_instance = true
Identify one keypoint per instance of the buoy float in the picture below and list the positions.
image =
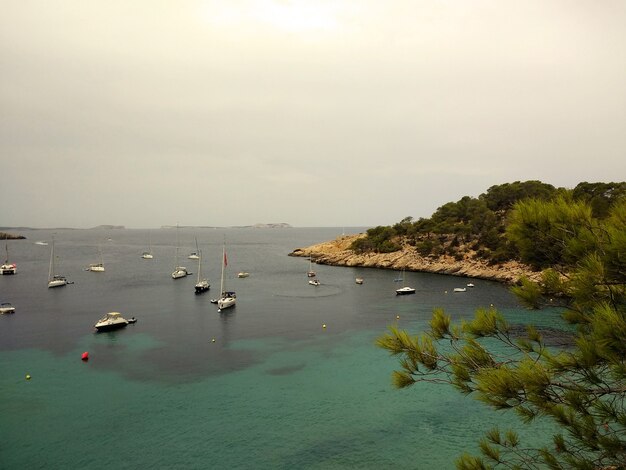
(27, 376)
(324, 325)
(445, 292)
(397, 317)
(213, 340)
(85, 356)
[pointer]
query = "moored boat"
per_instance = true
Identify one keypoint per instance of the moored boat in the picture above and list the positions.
(359, 280)
(8, 268)
(6, 307)
(111, 321)
(227, 298)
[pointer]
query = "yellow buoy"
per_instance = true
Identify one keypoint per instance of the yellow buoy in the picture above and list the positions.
(27, 376)
(213, 340)
(397, 317)
(324, 325)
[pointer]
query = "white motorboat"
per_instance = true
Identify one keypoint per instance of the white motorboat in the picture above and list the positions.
(55, 280)
(314, 282)
(8, 268)
(470, 285)
(459, 289)
(111, 321)
(202, 285)
(359, 280)
(404, 290)
(6, 307)
(227, 298)
(242, 274)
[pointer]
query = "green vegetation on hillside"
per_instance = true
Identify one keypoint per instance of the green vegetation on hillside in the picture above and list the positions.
(580, 237)
(478, 226)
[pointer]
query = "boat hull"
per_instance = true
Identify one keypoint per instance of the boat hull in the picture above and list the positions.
(7, 309)
(8, 269)
(111, 326)
(179, 272)
(57, 283)
(202, 287)
(226, 302)
(405, 291)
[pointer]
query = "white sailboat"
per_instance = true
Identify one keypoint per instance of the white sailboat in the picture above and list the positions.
(8, 268)
(310, 272)
(179, 271)
(202, 285)
(194, 254)
(148, 254)
(227, 298)
(55, 280)
(97, 267)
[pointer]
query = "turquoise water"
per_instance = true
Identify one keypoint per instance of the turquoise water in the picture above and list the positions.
(274, 390)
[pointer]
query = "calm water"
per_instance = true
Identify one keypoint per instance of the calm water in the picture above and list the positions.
(274, 390)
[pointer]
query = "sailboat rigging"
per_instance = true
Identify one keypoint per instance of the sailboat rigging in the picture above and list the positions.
(148, 254)
(202, 285)
(227, 298)
(55, 280)
(8, 268)
(179, 271)
(97, 267)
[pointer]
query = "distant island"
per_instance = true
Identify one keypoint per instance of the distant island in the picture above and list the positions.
(270, 225)
(108, 227)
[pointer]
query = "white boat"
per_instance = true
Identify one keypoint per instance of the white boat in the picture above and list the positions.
(111, 321)
(41, 243)
(179, 271)
(202, 285)
(195, 254)
(97, 267)
(470, 285)
(227, 298)
(148, 254)
(243, 274)
(404, 290)
(459, 289)
(8, 268)
(359, 280)
(314, 282)
(310, 272)
(54, 279)
(6, 307)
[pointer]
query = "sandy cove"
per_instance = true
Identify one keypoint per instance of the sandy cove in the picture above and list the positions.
(337, 253)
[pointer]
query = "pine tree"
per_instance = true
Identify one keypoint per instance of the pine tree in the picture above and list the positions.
(582, 388)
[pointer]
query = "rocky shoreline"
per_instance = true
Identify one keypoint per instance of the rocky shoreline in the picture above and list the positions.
(337, 253)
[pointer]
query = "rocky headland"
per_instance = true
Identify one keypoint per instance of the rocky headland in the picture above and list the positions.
(337, 253)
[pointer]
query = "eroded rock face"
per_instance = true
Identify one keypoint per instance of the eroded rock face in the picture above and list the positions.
(337, 253)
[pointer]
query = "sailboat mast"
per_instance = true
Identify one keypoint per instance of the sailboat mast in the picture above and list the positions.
(223, 258)
(199, 264)
(51, 270)
(176, 256)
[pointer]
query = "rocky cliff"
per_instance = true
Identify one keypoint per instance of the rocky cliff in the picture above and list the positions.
(337, 253)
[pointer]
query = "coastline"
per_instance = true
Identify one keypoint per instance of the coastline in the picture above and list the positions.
(337, 253)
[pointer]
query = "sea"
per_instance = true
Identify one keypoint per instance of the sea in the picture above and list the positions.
(290, 378)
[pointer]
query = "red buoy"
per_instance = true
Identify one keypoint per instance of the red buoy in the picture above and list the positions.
(85, 356)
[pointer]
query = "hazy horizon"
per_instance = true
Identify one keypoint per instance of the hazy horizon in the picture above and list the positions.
(313, 113)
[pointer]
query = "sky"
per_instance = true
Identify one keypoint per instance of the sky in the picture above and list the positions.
(336, 113)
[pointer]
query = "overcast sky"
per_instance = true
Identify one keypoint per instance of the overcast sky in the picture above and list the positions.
(316, 113)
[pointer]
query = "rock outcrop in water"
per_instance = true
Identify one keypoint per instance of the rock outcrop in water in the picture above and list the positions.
(337, 253)
(10, 236)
